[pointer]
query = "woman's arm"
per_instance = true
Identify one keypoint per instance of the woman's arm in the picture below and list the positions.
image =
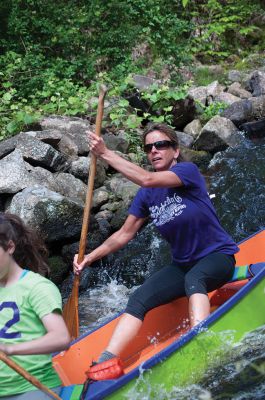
(131, 171)
(57, 338)
(113, 243)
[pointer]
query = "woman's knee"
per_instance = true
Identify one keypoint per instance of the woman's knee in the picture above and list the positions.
(136, 305)
(194, 285)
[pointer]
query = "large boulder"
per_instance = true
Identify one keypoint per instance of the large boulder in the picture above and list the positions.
(193, 128)
(80, 169)
(49, 136)
(214, 89)
(257, 83)
(198, 94)
(185, 139)
(254, 130)
(237, 90)
(226, 98)
(39, 153)
(218, 134)
(14, 175)
(239, 112)
(183, 112)
(116, 142)
(122, 188)
(74, 128)
(54, 216)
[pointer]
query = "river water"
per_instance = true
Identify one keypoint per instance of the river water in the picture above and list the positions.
(237, 179)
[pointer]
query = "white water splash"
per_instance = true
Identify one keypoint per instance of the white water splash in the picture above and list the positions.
(101, 303)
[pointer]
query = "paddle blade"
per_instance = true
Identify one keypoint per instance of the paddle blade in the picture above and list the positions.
(70, 310)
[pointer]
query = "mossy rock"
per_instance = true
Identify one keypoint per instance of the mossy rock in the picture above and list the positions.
(59, 269)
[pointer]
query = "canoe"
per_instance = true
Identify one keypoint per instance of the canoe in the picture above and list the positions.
(166, 351)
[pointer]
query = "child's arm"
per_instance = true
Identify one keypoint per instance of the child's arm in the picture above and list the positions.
(57, 338)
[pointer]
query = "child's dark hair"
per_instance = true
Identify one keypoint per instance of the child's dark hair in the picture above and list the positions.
(167, 130)
(30, 251)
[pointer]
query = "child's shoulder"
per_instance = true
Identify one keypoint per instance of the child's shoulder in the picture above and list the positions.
(34, 279)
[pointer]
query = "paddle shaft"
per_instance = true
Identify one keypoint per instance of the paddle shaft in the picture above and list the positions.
(70, 311)
(92, 174)
(91, 179)
(30, 378)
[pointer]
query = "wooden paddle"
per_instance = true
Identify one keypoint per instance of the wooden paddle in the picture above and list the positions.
(70, 310)
(21, 371)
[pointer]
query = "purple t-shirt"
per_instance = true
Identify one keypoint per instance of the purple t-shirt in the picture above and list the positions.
(184, 216)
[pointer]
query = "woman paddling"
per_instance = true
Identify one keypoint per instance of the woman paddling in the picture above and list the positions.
(175, 197)
(31, 324)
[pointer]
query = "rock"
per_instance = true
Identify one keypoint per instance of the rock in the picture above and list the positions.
(214, 90)
(14, 175)
(68, 147)
(183, 112)
(226, 98)
(122, 188)
(80, 169)
(49, 136)
(198, 94)
(258, 108)
(239, 112)
(257, 83)
(75, 128)
(70, 187)
(55, 217)
(235, 76)
(217, 135)
(8, 145)
(104, 214)
(38, 153)
(254, 130)
(119, 217)
(42, 177)
(185, 139)
(200, 158)
(142, 82)
(237, 90)
(116, 142)
(193, 128)
(100, 197)
(58, 269)
(111, 207)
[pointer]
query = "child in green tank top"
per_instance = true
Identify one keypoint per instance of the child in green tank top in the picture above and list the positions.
(31, 323)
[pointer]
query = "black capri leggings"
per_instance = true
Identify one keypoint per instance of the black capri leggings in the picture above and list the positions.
(172, 282)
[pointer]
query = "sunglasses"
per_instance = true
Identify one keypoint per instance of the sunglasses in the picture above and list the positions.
(160, 145)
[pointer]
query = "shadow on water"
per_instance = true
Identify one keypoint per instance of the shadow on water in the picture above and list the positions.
(237, 178)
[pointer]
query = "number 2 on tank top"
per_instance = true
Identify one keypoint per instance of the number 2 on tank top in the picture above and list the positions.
(4, 334)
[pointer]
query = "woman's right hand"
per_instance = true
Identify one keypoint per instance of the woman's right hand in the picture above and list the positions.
(79, 267)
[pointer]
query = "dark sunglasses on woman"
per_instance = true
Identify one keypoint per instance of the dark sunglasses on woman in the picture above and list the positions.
(159, 145)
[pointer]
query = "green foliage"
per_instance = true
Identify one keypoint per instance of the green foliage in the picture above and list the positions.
(52, 53)
(224, 28)
(19, 108)
(252, 61)
(208, 112)
(162, 99)
(203, 76)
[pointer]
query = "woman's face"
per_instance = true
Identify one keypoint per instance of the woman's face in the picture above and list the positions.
(161, 159)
